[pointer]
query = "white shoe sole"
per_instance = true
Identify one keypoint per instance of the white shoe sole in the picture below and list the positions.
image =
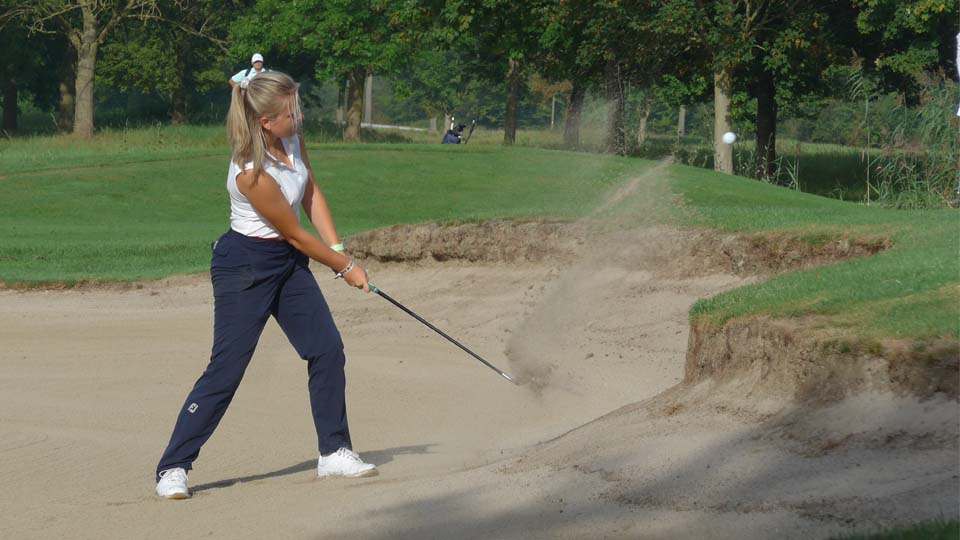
(362, 474)
(175, 496)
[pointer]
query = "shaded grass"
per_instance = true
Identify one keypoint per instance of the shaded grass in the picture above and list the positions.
(829, 170)
(907, 291)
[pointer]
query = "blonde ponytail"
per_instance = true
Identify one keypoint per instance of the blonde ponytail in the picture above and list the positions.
(260, 96)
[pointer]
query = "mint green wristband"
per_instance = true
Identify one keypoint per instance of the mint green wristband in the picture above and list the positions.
(337, 247)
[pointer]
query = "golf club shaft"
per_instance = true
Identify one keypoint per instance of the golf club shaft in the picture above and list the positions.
(469, 133)
(437, 330)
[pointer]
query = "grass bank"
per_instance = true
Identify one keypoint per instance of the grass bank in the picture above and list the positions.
(909, 291)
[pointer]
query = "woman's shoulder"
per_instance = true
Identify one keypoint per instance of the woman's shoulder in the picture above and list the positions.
(236, 169)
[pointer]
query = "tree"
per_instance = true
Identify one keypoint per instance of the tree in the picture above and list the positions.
(548, 91)
(504, 36)
(568, 53)
(759, 46)
(653, 62)
(176, 56)
(86, 24)
(732, 30)
(788, 65)
(680, 89)
(25, 69)
(905, 38)
(619, 48)
(436, 78)
(330, 39)
(578, 44)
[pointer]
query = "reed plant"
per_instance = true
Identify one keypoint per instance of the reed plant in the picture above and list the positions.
(924, 172)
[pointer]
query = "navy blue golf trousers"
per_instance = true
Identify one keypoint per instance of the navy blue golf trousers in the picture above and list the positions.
(253, 279)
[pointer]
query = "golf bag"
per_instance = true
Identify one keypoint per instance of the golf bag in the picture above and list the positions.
(452, 136)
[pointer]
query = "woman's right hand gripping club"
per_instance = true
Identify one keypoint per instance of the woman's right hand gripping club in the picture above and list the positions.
(355, 276)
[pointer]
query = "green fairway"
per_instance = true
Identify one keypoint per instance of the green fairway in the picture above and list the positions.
(124, 208)
(110, 147)
(109, 217)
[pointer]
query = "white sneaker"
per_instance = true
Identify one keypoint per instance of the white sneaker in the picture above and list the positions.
(173, 484)
(344, 462)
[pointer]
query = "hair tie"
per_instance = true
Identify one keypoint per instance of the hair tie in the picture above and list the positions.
(244, 84)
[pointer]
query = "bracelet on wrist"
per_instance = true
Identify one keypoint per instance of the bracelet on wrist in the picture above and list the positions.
(343, 272)
(338, 248)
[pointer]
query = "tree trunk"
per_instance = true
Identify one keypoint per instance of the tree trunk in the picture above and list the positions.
(86, 70)
(644, 119)
(68, 77)
(722, 152)
(181, 81)
(447, 118)
(616, 142)
(10, 106)
(368, 99)
(766, 93)
(341, 100)
(354, 105)
(178, 115)
(433, 124)
(571, 128)
(682, 122)
(553, 112)
(513, 91)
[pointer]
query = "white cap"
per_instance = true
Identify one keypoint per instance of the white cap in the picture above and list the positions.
(256, 58)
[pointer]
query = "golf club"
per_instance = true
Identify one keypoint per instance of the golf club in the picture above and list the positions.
(469, 133)
(386, 297)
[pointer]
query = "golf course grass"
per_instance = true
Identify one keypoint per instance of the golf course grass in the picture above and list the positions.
(911, 290)
(147, 204)
(935, 530)
(117, 219)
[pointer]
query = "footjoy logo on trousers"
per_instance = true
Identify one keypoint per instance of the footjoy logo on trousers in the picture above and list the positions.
(192, 408)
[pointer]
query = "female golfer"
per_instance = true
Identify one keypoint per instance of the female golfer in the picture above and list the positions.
(259, 268)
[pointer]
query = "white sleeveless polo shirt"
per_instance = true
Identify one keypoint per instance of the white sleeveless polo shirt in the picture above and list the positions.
(244, 218)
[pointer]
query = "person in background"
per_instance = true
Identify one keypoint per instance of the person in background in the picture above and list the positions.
(256, 68)
(452, 136)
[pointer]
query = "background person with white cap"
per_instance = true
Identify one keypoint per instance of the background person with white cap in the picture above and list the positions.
(256, 68)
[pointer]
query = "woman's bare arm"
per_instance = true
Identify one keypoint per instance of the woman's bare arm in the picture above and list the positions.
(265, 196)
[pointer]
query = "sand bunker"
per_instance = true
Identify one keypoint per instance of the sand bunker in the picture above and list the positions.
(600, 442)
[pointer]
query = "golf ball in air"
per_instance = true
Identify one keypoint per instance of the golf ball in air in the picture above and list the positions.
(729, 137)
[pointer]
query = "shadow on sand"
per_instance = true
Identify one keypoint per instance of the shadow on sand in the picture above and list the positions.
(377, 457)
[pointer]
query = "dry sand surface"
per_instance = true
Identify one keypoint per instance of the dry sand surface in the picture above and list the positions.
(599, 442)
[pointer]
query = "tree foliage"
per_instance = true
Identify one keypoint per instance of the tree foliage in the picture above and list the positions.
(763, 59)
(906, 38)
(86, 25)
(329, 39)
(178, 55)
